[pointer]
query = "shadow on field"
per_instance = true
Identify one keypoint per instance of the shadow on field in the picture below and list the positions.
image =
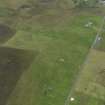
(13, 62)
(5, 33)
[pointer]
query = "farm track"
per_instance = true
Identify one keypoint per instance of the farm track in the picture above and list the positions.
(67, 101)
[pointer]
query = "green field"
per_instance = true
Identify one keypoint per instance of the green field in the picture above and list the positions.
(84, 99)
(52, 78)
(91, 80)
(89, 88)
(59, 40)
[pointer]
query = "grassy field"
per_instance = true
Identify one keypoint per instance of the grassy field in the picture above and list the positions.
(59, 39)
(89, 89)
(82, 98)
(58, 63)
(91, 81)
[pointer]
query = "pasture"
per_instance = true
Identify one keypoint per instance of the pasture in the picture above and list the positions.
(50, 43)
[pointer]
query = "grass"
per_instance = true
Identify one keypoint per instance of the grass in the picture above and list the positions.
(90, 88)
(81, 98)
(61, 41)
(51, 78)
(12, 4)
(92, 78)
(100, 44)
